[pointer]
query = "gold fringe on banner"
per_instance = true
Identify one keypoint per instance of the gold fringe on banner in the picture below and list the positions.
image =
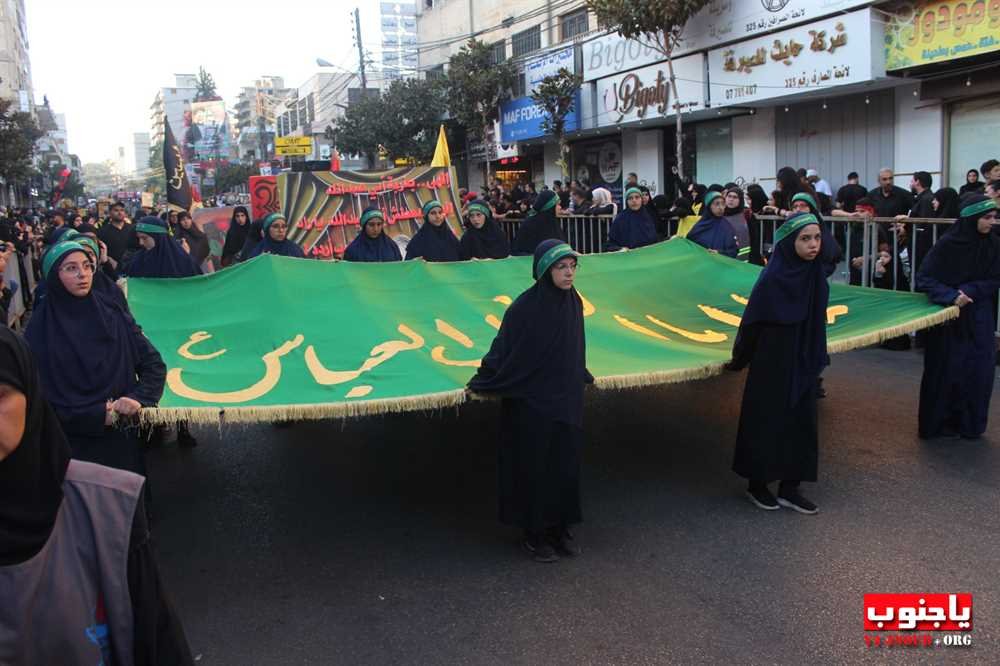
(431, 401)
(877, 337)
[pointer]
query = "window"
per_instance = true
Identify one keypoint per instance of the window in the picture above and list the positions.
(498, 52)
(519, 88)
(436, 72)
(573, 24)
(527, 41)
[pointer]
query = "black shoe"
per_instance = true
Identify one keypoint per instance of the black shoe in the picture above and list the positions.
(185, 439)
(763, 499)
(795, 501)
(562, 542)
(540, 551)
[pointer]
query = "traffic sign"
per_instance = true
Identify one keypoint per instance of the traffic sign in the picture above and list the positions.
(292, 150)
(293, 142)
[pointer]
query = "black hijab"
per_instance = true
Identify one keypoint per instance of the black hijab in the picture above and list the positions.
(366, 249)
(963, 254)
(236, 235)
(167, 259)
(947, 199)
(31, 476)
(632, 228)
(196, 239)
(758, 198)
(791, 290)
(84, 346)
(488, 242)
(539, 355)
(740, 207)
(541, 224)
(255, 234)
(434, 243)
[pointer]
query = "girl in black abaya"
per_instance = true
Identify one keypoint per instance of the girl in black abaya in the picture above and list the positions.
(73, 537)
(782, 337)
(197, 240)
(483, 237)
(95, 363)
(537, 364)
(541, 224)
(236, 236)
(435, 240)
(963, 269)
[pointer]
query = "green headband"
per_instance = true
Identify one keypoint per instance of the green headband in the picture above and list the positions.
(57, 251)
(270, 219)
(554, 254)
(805, 196)
(89, 242)
(977, 209)
(711, 196)
(480, 208)
(792, 225)
(150, 228)
(431, 205)
(369, 214)
(630, 190)
(551, 203)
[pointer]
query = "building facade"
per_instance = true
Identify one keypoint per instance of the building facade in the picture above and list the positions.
(834, 85)
(171, 103)
(256, 110)
(309, 109)
(15, 64)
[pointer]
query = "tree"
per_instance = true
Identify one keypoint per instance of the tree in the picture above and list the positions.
(18, 133)
(557, 95)
(416, 107)
(230, 177)
(476, 86)
(205, 87)
(362, 129)
(155, 179)
(660, 24)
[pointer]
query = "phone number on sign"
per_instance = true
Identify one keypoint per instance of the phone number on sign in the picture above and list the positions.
(918, 640)
(741, 91)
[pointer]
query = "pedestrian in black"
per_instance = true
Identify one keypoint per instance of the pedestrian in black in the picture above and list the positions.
(782, 338)
(537, 364)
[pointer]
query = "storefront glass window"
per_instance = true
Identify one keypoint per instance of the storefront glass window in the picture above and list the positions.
(714, 163)
(974, 137)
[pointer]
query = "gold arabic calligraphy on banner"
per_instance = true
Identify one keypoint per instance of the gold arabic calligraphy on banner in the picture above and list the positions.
(650, 327)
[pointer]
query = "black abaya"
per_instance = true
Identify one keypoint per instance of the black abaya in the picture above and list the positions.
(775, 443)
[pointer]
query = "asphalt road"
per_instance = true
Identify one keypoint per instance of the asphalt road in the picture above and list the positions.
(374, 541)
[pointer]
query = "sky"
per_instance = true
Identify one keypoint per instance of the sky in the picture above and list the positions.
(101, 62)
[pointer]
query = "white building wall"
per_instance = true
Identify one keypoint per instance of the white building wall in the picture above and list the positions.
(642, 153)
(552, 171)
(449, 20)
(919, 136)
(754, 156)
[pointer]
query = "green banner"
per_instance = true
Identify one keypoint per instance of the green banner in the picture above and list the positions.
(280, 338)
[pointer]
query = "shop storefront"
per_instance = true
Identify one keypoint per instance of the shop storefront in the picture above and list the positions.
(949, 45)
(599, 163)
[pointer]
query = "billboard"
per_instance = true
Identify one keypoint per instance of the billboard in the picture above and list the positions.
(206, 132)
(926, 31)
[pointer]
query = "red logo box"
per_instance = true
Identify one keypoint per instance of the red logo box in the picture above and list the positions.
(918, 612)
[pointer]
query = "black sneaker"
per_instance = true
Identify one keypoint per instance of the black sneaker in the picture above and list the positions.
(540, 551)
(562, 542)
(796, 502)
(763, 499)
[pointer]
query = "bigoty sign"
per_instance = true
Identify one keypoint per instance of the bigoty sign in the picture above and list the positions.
(645, 93)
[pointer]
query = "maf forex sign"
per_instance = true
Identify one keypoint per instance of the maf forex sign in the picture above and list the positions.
(293, 145)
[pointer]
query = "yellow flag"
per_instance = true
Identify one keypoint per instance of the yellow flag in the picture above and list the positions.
(442, 158)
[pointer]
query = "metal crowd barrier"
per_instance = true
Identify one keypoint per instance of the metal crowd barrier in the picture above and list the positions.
(586, 234)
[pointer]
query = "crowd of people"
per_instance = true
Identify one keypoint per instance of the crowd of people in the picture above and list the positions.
(73, 486)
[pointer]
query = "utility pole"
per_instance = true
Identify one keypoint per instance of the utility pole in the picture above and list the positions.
(361, 52)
